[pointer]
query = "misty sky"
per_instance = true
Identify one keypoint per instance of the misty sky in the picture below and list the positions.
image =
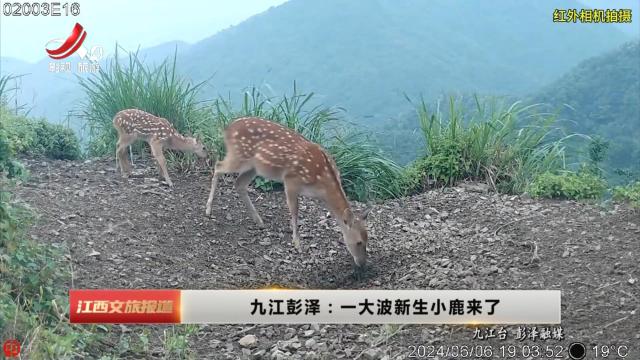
(142, 23)
(147, 23)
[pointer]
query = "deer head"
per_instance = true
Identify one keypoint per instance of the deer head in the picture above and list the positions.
(354, 231)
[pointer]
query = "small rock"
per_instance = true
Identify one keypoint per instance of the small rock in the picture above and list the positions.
(310, 343)
(373, 354)
(94, 253)
(248, 341)
(277, 354)
(309, 333)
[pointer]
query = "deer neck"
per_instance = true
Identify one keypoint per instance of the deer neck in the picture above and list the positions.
(338, 205)
(180, 143)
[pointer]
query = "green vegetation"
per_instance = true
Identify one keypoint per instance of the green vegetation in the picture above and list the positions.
(40, 137)
(33, 297)
(493, 144)
(568, 185)
(629, 194)
(9, 166)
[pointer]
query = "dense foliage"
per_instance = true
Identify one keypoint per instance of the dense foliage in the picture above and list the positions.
(38, 137)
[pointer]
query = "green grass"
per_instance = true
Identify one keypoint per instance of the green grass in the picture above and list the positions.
(158, 90)
(504, 146)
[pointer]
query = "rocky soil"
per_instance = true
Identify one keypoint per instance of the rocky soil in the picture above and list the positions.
(138, 233)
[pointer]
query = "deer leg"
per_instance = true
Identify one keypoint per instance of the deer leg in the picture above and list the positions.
(121, 158)
(218, 169)
(156, 150)
(291, 192)
(241, 185)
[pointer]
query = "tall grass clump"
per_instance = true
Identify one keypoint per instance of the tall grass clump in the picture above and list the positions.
(366, 172)
(159, 90)
(504, 146)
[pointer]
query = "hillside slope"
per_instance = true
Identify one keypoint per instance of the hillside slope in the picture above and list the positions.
(601, 96)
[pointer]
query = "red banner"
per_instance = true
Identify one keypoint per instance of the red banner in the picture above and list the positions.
(117, 306)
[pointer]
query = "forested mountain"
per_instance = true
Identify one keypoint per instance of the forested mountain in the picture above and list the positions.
(601, 96)
(364, 54)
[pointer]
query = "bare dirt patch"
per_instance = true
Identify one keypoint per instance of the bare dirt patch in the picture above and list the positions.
(137, 233)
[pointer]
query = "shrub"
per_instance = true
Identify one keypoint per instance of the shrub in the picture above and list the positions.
(9, 167)
(568, 185)
(40, 138)
(629, 193)
(57, 142)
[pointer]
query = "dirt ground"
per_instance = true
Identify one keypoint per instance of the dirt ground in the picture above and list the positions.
(138, 233)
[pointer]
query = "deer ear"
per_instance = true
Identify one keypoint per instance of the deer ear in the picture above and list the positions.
(348, 218)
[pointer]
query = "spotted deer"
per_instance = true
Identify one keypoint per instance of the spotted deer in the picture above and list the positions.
(134, 124)
(256, 146)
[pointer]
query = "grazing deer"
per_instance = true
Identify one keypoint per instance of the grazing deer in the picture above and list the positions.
(257, 146)
(134, 124)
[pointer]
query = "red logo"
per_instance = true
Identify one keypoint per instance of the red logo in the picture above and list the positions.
(11, 348)
(71, 45)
